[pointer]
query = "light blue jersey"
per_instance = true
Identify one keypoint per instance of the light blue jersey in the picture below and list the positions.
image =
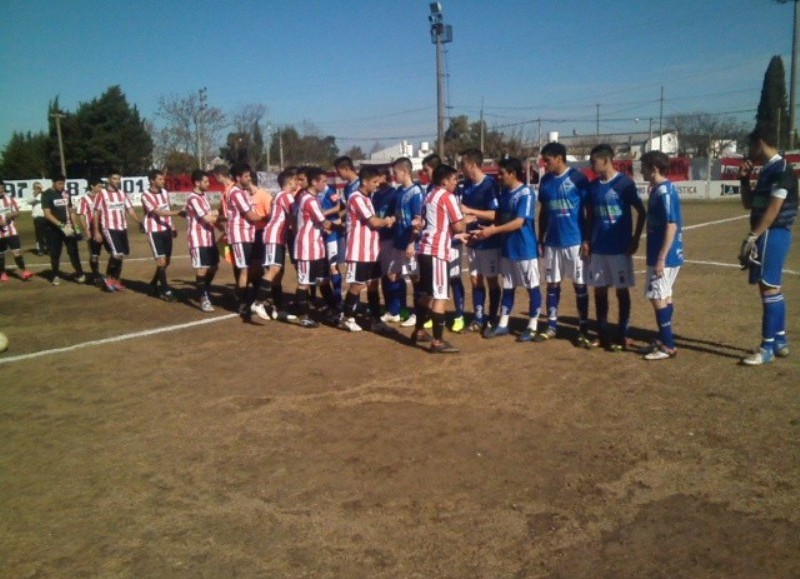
(563, 198)
(329, 199)
(664, 207)
(611, 203)
(521, 244)
(408, 206)
(483, 197)
(351, 188)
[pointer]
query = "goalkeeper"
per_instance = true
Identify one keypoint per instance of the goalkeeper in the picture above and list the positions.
(60, 231)
(773, 210)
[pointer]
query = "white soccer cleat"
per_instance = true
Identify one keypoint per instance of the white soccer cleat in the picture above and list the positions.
(410, 322)
(388, 318)
(260, 311)
(350, 325)
(206, 306)
(759, 358)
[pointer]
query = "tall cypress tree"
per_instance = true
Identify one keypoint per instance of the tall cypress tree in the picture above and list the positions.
(773, 109)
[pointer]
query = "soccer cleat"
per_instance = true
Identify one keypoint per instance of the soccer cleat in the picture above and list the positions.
(379, 327)
(80, 279)
(458, 325)
(429, 324)
(308, 323)
(118, 285)
(421, 337)
(528, 335)
(283, 316)
(350, 325)
(548, 334)
(781, 350)
(153, 291)
(3, 277)
(496, 332)
(56, 281)
(661, 353)
(444, 348)
(205, 305)
(389, 318)
(260, 311)
(168, 296)
(475, 326)
(583, 341)
(759, 358)
(26, 275)
(108, 285)
(410, 322)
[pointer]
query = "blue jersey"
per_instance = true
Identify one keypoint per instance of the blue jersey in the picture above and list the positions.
(664, 207)
(521, 244)
(563, 198)
(329, 199)
(384, 201)
(776, 175)
(611, 203)
(351, 188)
(481, 196)
(408, 206)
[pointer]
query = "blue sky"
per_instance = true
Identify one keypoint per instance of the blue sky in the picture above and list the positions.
(365, 71)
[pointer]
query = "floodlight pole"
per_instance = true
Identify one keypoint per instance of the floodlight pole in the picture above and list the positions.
(58, 117)
(441, 34)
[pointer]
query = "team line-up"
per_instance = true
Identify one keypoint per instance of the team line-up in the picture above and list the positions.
(378, 234)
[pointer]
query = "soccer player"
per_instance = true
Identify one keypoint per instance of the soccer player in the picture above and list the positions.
(331, 204)
(160, 232)
(309, 247)
(262, 204)
(479, 198)
(86, 206)
(203, 249)
(612, 199)
(429, 165)
(562, 237)
(441, 217)
(39, 222)
(519, 264)
(111, 227)
(275, 239)
(240, 229)
(60, 231)
(346, 171)
(363, 267)
(222, 173)
(403, 263)
(384, 202)
(664, 249)
(9, 238)
(773, 206)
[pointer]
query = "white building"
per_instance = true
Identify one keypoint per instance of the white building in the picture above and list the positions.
(402, 149)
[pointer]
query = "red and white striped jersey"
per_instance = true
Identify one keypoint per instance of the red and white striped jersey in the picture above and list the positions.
(440, 211)
(7, 207)
(152, 201)
(239, 229)
(198, 232)
(86, 205)
(362, 241)
(277, 228)
(308, 243)
(112, 206)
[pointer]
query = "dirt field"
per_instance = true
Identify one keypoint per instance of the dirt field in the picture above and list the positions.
(225, 450)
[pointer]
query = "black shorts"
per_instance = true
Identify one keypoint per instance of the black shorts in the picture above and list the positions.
(204, 257)
(116, 241)
(433, 276)
(309, 272)
(11, 242)
(274, 255)
(360, 272)
(257, 257)
(161, 243)
(242, 254)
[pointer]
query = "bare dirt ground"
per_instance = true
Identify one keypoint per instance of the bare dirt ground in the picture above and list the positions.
(225, 450)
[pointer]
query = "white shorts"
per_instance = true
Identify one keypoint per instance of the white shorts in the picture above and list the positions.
(660, 288)
(562, 263)
(523, 273)
(454, 263)
(484, 262)
(610, 270)
(385, 255)
(399, 263)
(433, 278)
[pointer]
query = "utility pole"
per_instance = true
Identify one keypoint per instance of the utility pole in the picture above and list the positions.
(280, 147)
(441, 34)
(481, 125)
(58, 117)
(201, 117)
(661, 120)
(269, 144)
(597, 122)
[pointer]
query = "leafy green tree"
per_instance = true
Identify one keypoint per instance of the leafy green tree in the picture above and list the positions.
(773, 109)
(307, 149)
(25, 156)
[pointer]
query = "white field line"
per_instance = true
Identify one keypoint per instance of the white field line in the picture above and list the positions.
(114, 339)
(65, 259)
(719, 264)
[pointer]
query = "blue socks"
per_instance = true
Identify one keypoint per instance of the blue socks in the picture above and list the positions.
(664, 321)
(479, 301)
(458, 295)
(507, 302)
(553, 297)
(535, 302)
(397, 296)
(773, 320)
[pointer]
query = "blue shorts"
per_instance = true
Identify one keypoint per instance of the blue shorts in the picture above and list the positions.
(773, 248)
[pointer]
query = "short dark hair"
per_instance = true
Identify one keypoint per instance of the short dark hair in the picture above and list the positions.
(368, 172)
(473, 155)
(403, 162)
(658, 160)
(222, 169)
(302, 170)
(433, 160)
(555, 150)
(60, 177)
(443, 172)
(344, 162)
(313, 173)
(113, 172)
(603, 152)
(240, 169)
(154, 173)
(514, 166)
(285, 175)
(770, 137)
(95, 181)
(198, 174)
